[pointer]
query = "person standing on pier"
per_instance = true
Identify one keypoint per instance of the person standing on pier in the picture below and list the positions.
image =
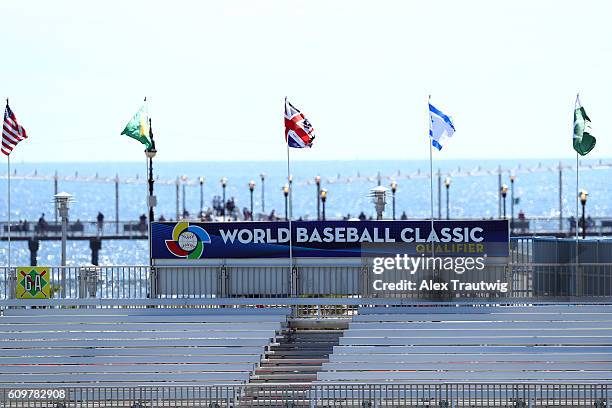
(42, 224)
(100, 219)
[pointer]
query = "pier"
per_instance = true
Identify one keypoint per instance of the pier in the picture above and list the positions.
(445, 191)
(90, 231)
(137, 230)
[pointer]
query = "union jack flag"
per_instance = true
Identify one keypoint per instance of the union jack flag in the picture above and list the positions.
(12, 132)
(299, 132)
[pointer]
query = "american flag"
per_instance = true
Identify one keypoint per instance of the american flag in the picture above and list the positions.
(298, 130)
(12, 132)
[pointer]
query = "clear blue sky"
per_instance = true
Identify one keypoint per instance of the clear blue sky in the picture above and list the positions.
(216, 73)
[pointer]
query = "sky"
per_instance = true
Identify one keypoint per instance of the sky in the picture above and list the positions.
(216, 74)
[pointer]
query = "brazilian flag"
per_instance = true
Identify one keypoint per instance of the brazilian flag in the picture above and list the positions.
(584, 142)
(138, 127)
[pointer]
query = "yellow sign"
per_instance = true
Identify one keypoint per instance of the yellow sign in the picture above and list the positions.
(33, 282)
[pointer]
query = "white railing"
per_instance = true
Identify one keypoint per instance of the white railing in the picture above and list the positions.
(520, 395)
(523, 280)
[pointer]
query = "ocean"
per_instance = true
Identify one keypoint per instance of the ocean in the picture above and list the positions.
(347, 182)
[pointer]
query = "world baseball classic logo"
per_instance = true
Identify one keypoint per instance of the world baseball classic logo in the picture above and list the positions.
(187, 241)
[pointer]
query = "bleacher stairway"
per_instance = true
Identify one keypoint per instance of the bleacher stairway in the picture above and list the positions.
(295, 358)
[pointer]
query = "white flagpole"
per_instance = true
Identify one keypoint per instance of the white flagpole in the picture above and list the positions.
(290, 193)
(577, 167)
(8, 163)
(9, 209)
(430, 174)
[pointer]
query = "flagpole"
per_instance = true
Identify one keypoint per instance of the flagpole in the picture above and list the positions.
(8, 163)
(289, 212)
(577, 179)
(430, 174)
(9, 208)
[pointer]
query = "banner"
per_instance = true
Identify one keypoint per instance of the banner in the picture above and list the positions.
(329, 239)
(33, 282)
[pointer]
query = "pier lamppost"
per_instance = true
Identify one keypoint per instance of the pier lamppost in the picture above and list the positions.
(323, 200)
(504, 192)
(393, 189)
(201, 179)
(512, 179)
(583, 200)
(447, 183)
(151, 200)
(251, 189)
(178, 186)
(184, 182)
(223, 185)
(150, 153)
(286, 194)
(291, 195)
(318, 183)
(379, 198)
(262, 176)
(116, 204)
(62, 204)
(55, 191)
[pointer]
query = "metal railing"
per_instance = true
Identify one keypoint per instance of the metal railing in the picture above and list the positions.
(106, 282)
(532, 225)
(75, 229)
(319, 395)
(552, 225)
(521, 280)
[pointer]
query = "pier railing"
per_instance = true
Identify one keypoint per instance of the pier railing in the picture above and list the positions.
(520, 280)
(75, 229)
(319, 395)
(597, 226)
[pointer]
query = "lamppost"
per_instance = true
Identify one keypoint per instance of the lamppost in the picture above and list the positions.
(62, 204)
(201, 179)
(583, 200)
(286, 194)
(116, 205)
(323, 200)
(393, 189)
(504, 192)
(178, 186)
(223, 185)
(184, 180)
(512, 178)
(318, 183)
(251, 189)
(152, 200)
(262, 176)
(55, 191)
(447, 183)
(150, 153)
(291, 195)
(379, 199)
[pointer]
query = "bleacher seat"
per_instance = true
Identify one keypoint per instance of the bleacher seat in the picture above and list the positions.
(123, 347)
(569, 343)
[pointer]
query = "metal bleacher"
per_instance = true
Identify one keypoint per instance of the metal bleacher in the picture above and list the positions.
(475, 343)
(134, 347)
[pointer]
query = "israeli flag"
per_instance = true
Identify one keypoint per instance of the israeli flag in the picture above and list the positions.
(441, 127)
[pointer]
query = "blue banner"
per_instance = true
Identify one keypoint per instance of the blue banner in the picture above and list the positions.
(328, 239)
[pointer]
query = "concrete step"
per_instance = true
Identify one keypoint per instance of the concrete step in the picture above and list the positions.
(288, 369)
(283, 377)
(306, 346)
(272, 360)
(294, 357)
(313, 336)
(294, 353)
